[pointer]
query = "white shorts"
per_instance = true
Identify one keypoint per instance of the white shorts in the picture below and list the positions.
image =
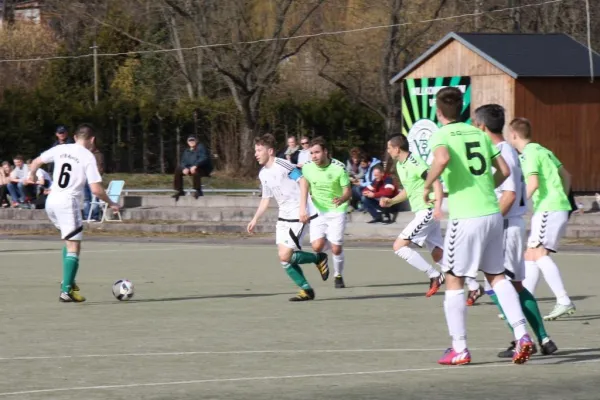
(547, 228)
(330, 225)
(65, 214)
(514, 247)
(289, 234)
(424, 230)
(474, 244)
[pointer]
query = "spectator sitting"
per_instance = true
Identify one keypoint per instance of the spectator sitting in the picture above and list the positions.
(195, 162)
(293, 151)
(17, 182)
(304, 155)
(37, 191)
(5, 171)
(367, 164)
(381, 186)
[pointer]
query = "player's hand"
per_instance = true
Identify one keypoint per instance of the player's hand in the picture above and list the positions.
(303, 216)
(426, 193)
(114, 206)
(251, 226)
(186, 171)
(385, 202)
(338, 201)
(193, 170)
(30, 179)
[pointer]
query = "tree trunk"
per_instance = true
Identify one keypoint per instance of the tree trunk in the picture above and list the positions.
(130, 153)
(118, 146)
(145, 161)
(161, 144)
(200, 73)
(177, 146)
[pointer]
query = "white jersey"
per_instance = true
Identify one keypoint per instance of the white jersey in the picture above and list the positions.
(514, 183)
(304, 157)
(281, 182)
(74, 166)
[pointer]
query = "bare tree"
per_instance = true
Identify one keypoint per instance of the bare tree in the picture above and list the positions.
(248, 69)
(398, 42)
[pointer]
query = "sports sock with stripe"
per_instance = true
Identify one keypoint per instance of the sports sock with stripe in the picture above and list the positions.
(70, 267)
(533, 315)
(295, 273)
(303, 257)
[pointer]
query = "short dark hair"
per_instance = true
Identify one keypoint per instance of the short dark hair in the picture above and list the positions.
(522, 126)
(267, 140)
(399, 141)
(85, 131)
(319, 141)
(492, 116)
(19, 157)
(378, 167)
(449, 101)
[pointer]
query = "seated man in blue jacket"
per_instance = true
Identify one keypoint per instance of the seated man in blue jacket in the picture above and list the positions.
(195, 162)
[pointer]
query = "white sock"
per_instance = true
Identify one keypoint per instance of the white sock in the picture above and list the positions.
(456, 317)
(472, 283)
(532, 276)
(509, 301)
(553, 279)
(415, 259)
(487, 287)
(338, 264)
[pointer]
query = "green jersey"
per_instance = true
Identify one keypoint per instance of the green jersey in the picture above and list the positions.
(550, 195)
(468, 175)
(412, 173)
(326, 183)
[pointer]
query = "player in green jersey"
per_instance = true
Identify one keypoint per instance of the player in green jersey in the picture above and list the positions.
(424, 229)
(329, 186)
(548, 183)
(463, 155)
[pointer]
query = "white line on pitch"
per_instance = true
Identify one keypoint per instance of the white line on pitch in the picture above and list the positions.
(247, 352)
(84, 251)
(259, 378)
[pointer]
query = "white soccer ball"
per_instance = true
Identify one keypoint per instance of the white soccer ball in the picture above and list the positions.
(123, 289)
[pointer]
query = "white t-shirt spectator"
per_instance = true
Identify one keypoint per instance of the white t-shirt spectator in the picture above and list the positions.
(41, 174)
(303, 157)
(20, 173)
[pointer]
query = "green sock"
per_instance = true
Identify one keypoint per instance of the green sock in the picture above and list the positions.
(64, 253)
(532, 313)
(494, 298)
(295, 273)
(70, 267)
(304, 257)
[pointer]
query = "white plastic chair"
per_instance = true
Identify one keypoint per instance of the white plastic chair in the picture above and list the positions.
(114, 190)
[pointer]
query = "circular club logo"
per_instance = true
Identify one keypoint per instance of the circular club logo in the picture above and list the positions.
(418, 138)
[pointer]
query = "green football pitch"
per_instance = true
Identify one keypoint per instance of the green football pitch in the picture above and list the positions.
(214, 322)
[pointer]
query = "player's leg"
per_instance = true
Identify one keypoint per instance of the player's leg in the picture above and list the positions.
(514, 242)
(458, 261)
(492, 264)
(336, 226)
(296, 233)
(417, 232)
(286, 245)
(475, 291)
(546, 230)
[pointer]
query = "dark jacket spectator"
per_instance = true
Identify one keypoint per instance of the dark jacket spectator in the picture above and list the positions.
(195, 162)
(291, 152)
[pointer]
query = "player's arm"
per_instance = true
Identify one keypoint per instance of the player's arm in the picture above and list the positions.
(344, 181)
(99, 192)
(506, 201)
(35, 165)
(502, 170)
(565, 177)
(399, 198)
(262, 208)
(441, 158)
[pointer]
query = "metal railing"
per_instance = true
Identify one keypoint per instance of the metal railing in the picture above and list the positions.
(253, 192)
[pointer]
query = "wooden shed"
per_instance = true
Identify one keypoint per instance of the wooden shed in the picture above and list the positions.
(543, 77)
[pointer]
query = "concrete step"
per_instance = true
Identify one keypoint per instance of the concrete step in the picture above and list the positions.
(356, 230)
(188, 201)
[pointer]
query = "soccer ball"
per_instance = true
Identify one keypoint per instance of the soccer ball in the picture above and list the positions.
(123, 289)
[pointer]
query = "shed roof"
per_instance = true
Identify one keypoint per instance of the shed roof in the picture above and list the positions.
(522, 54)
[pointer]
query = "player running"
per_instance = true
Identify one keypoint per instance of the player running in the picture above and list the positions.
(425, 228)
(463, 155)
(511, 198)
(548, 183)
(74, 164)
(279, 179)
(329, 187)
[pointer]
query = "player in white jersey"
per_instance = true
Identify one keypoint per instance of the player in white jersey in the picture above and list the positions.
(512, 200)
(73, 165)
(280, 180)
